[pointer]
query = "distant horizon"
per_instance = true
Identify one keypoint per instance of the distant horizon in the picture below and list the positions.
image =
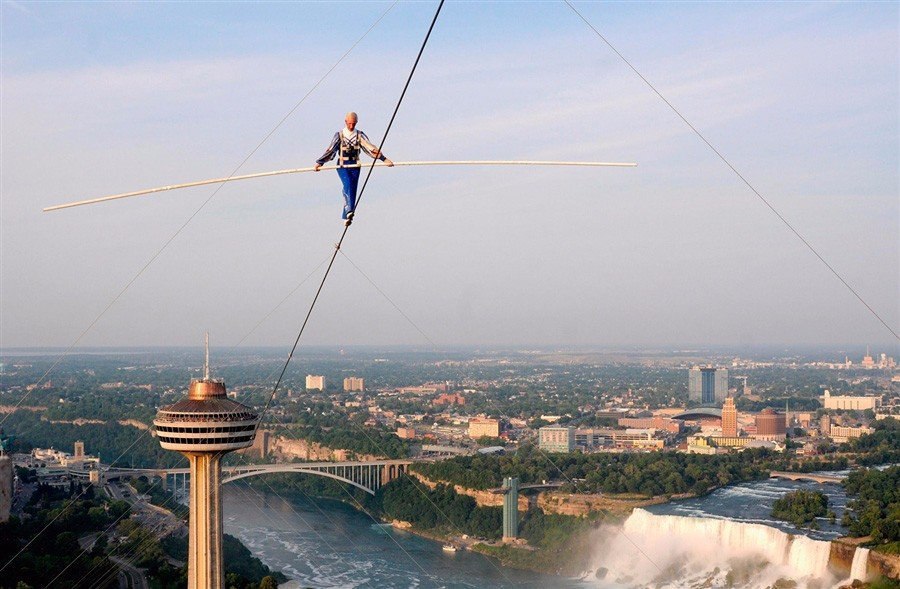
(713, 349)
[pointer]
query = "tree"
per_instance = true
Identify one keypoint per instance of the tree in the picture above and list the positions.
(801, 507)
(67, 543)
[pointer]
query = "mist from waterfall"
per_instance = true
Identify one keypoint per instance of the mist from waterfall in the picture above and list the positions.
(676, 552)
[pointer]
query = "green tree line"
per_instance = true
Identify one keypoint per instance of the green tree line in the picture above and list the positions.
(649, 474)
(875, 508)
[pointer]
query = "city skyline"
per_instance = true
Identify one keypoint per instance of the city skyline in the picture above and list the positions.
(612, 257)
(623, 431)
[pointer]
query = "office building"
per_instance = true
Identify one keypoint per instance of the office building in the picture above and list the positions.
(842, 434)
(601, 438)
(480, 427)
(352, 385)
(729, 419)
(707, 385)
(556, 438)
(204, 427)
(315, 383)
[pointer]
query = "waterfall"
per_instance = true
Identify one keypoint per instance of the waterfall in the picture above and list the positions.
(805, 555)
(684, 552)
(859, 568)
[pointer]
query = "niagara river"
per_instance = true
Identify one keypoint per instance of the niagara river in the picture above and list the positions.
(725, 539)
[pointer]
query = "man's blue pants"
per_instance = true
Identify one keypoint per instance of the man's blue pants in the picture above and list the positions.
(350, 179)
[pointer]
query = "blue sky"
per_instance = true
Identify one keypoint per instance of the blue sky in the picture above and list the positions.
(803, 97)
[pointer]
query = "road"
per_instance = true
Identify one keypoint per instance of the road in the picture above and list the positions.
(22, 498)
(87, 542)
(136, 575)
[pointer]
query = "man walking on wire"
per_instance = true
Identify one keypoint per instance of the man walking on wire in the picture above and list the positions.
(346, 144)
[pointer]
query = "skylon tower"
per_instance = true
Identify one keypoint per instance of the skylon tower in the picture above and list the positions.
(204, 427)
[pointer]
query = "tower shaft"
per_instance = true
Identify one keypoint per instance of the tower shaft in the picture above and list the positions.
(205, 563)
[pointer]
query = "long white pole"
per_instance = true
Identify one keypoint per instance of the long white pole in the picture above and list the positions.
(302, 170)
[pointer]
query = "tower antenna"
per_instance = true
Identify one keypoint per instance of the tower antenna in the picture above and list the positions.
(206, 365)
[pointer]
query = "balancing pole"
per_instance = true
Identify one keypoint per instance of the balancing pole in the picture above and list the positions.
(302, 170)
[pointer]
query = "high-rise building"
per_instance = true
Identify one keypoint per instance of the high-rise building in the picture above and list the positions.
(695, 384)
(556, 438)
(352, 384)
(510, 508)
(79, 449)
(721, 385)
(315, 383)
(707, 385)
(204, 427)
(729, 419)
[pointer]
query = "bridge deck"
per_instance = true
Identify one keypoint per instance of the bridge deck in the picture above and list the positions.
(253, 467)
(806, 476)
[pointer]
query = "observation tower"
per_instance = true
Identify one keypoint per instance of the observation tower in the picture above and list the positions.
(204, 427)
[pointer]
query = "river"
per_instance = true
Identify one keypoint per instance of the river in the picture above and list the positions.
(724, 539)
(327, 544)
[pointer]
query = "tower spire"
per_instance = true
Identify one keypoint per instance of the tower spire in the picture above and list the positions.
(206, 364)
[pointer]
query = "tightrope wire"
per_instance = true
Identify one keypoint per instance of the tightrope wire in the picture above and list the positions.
(337, 246)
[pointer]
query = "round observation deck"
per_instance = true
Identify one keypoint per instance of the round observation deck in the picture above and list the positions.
(207, 421)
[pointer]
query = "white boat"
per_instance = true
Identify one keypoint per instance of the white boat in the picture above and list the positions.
(449, 548)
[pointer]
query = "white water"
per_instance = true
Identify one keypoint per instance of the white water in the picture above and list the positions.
(860, 566)
(669, 551)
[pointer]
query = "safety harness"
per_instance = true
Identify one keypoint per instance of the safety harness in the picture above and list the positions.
(349, 148)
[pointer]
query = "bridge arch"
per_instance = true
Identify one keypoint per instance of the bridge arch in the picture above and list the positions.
(287, 468)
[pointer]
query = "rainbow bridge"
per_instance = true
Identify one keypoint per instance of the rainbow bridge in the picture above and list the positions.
(366, 475)
(807, 476)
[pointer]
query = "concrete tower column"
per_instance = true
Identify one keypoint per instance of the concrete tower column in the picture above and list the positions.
(205, 562)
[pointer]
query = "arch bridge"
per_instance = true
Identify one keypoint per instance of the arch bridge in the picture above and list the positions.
(367, 475)
(806, 476)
